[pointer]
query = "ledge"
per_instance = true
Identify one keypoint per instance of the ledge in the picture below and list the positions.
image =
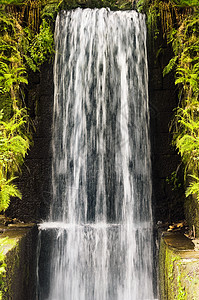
(178, 267)
(18, 246)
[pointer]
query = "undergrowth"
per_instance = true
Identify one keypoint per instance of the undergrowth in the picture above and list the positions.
(25, 43)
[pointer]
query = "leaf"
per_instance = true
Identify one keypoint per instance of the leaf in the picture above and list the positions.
(170, 66)
(193, 187)
(7, 190)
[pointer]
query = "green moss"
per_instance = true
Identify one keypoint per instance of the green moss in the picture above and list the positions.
(178, 272)
(167, 259)
(11, 243)
(6, 244)
(2, 268)
(181, 295)
(50, 9)
(19, 257)
(12, 262)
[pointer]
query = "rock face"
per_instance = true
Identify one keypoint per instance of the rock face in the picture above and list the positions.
(178, 267)
(19, 251)
(163, 99)
(35, 180)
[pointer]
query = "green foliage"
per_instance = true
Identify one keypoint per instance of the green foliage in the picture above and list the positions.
(120, 4)
(112, 4)
(186, 3)
(171, 65)
(50, 10)
(13, 147)
(13, 142)
(179, 20)
(185, 44)
(193, 187)
(12, 2)
(174, 181)
(40, 47)
(7, 191)
(11, 77)
(24, 45)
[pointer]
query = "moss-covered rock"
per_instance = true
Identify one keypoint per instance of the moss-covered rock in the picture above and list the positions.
(51, 8)
(178, 268)
(113, 4)
(18, 253)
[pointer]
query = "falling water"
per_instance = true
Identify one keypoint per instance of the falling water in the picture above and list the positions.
(99, 232)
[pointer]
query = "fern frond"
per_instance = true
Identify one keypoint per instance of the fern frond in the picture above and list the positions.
(7, 190)
(171, 65)
(193, 187)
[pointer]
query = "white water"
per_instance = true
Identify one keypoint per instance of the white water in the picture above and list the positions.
(99, 232)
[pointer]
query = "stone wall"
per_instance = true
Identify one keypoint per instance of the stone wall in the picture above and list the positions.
(19, 249)
(35, 180)
(163, 99)
(178, 267)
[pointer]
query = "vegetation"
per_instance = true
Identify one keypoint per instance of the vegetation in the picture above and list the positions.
(112, 4)
(24, 45)
(179, 20)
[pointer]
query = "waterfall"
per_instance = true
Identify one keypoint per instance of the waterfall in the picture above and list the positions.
(97, 241)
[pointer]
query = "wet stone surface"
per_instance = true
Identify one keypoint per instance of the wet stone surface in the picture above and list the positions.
(178, 241)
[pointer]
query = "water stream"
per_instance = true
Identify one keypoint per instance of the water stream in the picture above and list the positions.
(97, 241)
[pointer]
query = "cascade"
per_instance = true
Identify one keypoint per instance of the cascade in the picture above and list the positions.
(97, 241)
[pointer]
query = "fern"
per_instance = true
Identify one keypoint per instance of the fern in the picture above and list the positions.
(13, 148)
(7, 190)
(21, 48)
(171, 65)
(13, 143)
(193, 188)
(42, 45)
(12, 77)
(188, 147)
